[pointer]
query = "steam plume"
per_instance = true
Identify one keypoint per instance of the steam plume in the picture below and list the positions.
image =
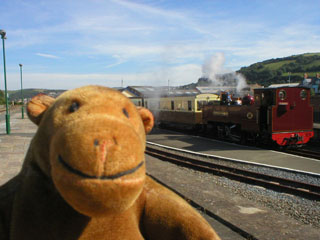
(213, 69)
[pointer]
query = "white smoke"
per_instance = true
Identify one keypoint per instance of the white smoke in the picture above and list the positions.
(212, 67)
(241, 82)
(214, 70)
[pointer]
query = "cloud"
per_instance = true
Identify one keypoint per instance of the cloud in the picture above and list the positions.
(145, 9)
(47, 55)
(150, 41)
(284, 41)
(119, 60)
(178, 75)
(127, 50)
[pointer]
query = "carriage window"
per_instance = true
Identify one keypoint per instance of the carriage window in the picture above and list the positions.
(303, 94)
(200, 105)
(214, 102)
(172, 105)
(267, 98)
(282, 94)
(189, 106)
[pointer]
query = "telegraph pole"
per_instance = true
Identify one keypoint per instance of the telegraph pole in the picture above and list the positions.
(22, 102)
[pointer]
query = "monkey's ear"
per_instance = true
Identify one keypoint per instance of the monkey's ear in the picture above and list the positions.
(37, 106)
(147, 118)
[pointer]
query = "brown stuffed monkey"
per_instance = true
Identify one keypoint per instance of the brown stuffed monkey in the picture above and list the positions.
(84, 176)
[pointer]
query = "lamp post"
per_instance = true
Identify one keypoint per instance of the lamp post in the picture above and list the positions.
(3, 36)
(22, 102)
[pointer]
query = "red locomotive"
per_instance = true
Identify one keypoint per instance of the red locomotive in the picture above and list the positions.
(281, 115)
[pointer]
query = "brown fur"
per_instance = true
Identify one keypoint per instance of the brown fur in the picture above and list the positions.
(84, 176)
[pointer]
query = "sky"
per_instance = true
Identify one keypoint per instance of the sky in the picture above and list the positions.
(64, 44)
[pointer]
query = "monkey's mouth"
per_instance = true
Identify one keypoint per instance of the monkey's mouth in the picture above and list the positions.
(108, 177)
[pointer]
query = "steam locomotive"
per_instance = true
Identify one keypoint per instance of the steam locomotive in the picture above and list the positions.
(282, 115)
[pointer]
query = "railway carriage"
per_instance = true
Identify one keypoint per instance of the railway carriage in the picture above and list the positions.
(280, 115)
(184, 110)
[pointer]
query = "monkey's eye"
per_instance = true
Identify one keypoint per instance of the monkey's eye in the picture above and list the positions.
(74, 107)
(125, 112)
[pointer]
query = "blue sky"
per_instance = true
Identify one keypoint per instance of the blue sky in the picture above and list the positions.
(64, 44)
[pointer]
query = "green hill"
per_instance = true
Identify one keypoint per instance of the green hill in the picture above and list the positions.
(279, 70)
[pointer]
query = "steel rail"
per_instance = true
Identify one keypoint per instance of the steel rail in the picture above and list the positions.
(279, 184)
(304, 153)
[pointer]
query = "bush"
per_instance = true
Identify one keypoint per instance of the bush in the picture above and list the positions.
(2, 99)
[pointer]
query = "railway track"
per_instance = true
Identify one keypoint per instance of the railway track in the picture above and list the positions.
(278, 184)
(304, 153)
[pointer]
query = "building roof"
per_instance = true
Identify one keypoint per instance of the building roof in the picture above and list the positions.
(149, 91)
(216, 89)
(284, 85)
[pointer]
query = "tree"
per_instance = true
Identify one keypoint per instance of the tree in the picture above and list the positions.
(2, 99)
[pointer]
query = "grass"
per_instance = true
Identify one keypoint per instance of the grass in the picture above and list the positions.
(311, 54)
(277, 65)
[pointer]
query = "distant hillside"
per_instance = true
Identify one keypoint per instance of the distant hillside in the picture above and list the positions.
(278, 70)
(29, 93)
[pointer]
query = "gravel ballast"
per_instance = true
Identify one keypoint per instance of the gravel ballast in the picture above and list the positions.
(263, 213)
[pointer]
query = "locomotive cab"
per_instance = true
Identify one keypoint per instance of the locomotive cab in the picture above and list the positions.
(264, 98)
(285, 114)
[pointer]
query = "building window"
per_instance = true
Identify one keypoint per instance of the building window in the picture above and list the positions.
(189, 106)
(172, 105)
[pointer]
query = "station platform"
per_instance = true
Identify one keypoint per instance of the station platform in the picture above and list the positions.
(258, 220)
(14, 147)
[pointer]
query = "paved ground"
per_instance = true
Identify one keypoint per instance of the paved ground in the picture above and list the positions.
(13, 147)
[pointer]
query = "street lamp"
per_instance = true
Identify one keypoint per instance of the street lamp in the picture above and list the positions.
(22, 102)
(3, 36)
